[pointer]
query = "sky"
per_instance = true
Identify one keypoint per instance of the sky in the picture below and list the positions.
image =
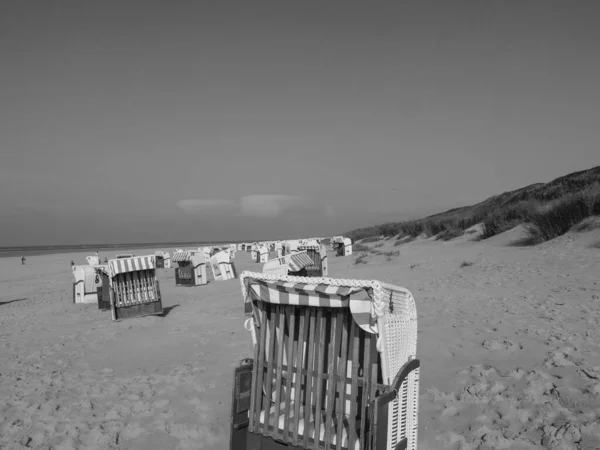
(149, 121)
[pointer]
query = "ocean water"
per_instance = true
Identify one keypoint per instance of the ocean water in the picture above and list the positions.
(7, 252)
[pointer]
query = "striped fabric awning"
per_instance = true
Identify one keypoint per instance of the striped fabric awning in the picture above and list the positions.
(358, 299)
(181, 256)
(123, 265)
(298, 261)
(309, 247)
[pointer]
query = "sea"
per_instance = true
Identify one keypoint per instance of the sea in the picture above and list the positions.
(7, 252)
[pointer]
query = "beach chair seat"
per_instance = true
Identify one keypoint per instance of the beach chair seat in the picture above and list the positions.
(134, 289)
(334, 366)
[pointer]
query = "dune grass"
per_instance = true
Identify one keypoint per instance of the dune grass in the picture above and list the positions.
(547, 210)
(360, 248)
(362, 259)
(449, 233)
(559, 217)
(371, 239)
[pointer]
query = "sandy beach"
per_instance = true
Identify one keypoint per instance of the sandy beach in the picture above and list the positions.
(509, 342)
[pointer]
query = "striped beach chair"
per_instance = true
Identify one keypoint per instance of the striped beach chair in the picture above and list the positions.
(134, 289)
(191, 270)
(284, 265)
(318, 254)
(334, 366)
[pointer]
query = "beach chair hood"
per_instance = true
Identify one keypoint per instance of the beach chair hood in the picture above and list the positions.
(362, 297)
(123, 265)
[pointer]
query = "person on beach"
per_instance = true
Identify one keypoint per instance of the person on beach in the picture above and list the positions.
(23, 261)
(72, 263)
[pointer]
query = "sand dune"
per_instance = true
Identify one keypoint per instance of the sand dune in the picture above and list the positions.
(509, 344)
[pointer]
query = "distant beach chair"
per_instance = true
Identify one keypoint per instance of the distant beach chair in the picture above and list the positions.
(163, 260)
(263, 254)
(134, 289)
(87, 281)
(124, 255)
(278, 247)
(318, 254)
(335, 243)
(222, 266)
(254, 252)
(93, 260)
(191, 270)
(103, 273)
(292, 263)
(347, 246)
(341, 246)
(334, 366)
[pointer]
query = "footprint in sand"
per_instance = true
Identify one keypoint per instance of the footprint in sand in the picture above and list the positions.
(504, 344)
(563, 357)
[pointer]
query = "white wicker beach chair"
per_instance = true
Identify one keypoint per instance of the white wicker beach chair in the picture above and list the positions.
(222, 266)
(87, 282)
(334, 366)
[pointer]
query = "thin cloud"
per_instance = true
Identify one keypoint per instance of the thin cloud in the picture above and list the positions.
(207, 205)
(256, 205)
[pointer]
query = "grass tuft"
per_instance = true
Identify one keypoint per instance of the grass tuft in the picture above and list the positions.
(362, 259)
(562, 215)
(360, 248)
(448, 234)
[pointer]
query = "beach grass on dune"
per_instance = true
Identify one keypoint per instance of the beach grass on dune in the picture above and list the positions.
(546, 210)
(545, 224)
(360, 248)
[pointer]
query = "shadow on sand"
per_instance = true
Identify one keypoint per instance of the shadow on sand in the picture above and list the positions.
(11, 301)
(522, 242)
(167, 310)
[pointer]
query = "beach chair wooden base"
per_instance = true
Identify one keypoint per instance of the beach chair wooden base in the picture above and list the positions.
(242, 439)
(184, 277)
(144, 309)
(103, 303)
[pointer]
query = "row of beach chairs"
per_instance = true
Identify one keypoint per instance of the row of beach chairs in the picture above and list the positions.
(334, 361)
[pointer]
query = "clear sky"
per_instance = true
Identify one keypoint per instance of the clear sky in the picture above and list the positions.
(138, 121)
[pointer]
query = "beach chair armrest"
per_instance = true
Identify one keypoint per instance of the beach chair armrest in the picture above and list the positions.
(403, 373)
